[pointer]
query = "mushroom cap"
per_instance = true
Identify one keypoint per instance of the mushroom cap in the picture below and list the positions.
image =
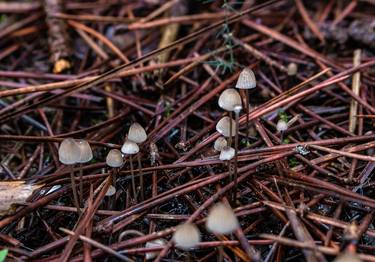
(347, 257)
(111, 191)
(154, 243)
(186, 236)
(129, 147)
(223, 126)
(281, 126)
(246, 79)
(114, 158)
(227, 153)
(69, 151)
(229, 99)
(137, 133)
(221, 220)
(220, 143)
(85, 149)
(292, 69)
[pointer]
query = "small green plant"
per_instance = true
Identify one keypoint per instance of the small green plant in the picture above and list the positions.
(283, 116)
(293, 162)
(228, 62)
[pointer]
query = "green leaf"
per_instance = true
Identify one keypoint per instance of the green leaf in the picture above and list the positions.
(3, 254)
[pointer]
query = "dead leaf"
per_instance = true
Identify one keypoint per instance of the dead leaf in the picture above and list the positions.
(14, 192)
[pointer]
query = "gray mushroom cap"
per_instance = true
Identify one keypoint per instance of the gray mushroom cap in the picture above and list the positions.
(223, 126)
(85, 149)
(246, 79)
(186, 236)
(227, 153)
(114, 158)
(137, 133)
(229, 99)
(221, 220)
(69, 152)
(129, 147)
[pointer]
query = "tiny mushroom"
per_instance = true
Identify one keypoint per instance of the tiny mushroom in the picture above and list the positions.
(224, 126)
(220, 143)
(186, 236)
(114, 158)
(246, 79)
(229, 98)
(154, 243)
(227, 153)
(221, 220)
(137, 133)
(292, 69)
(69, 152)
(85, 156)
(281, 126)
(85, 151)
(129, 147)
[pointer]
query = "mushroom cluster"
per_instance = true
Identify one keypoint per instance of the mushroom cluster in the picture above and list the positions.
(78, 151)
(230, 100)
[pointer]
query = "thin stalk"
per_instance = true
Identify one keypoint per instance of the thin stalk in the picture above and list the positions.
(237, 114)
(75, 195)
(133, 179)
(140, 175)
(247, 107)
(114, 176)
(230, 171)
(230, 129)
(80, 184)
(221, 254)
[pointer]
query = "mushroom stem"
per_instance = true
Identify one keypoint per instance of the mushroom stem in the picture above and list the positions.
(75, 195)
(230, 129)
(114, 176)
(80, 184)
(221, 254)
(133, 179)
(230, 171)
(140, 175)
(282, 137)
(247, 106)
(237, 114)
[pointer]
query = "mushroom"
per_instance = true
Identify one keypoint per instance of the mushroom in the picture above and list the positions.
(237, 110)
(220, 143)
(69, 154)
(246, 81)
(292, 69)
(85, 156)
(221, 220)
(110, 191)
(154, 243)
(229, 100)
(131, 148)
(227, 153)
(115, 160)
(281, 127)
(226, 126)
(186, 236)
(138, 135)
